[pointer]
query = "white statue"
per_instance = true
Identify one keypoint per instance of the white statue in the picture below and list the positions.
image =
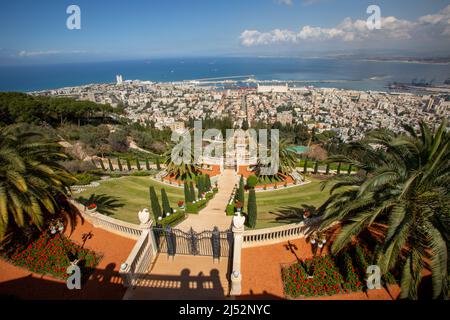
(144, 216)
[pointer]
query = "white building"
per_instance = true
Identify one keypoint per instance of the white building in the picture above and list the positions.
(119, 79)
(274, 88)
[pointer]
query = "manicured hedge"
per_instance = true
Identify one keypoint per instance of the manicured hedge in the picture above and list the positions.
(230, 210)
(172, 220)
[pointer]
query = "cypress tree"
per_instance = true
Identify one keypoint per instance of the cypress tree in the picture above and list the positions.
(349, 170)
(111, 167)
(147, 165)
(327, 171)
(102, 165)
(93, 162)
(156, 208)
(158, 165)
(208, 182)
(187, 193)
(119, 164)
(339, 168)
(200, 186)
(305, 166)
(241, 192)
(316, 167)
(192, 191)
(128, 165)
(138, 164)
(252, 211)
(165, 202)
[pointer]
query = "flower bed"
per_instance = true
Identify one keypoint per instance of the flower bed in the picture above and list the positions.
(50, 255)
(344, 274)
(325, 280)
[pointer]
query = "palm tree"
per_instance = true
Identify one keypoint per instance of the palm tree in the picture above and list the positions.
(183, 171)
(402, 192)
(33, 184)
(286, 161)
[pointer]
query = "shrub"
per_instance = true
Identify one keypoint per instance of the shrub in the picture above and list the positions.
(85, 179)
(140, 174)
(230, 210)
(208, 182)
(119, 164)
(165, 202)
(156, 208)
(172, 220)
(200, 185)
(240, 195)
(352, 283)
(251, 209)
(192, 191)
(201, 204)
(102, 165)
(191, 208)
(187, 193)
(138, 164)
(252, 181)
(111, 167)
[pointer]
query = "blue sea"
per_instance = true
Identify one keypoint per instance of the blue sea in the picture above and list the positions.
(319, 72)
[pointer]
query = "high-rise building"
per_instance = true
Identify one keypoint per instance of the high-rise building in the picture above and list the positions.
(119, 79)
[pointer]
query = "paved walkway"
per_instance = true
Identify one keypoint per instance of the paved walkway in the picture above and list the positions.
(104, 283)
(214, 213)
(183, 278)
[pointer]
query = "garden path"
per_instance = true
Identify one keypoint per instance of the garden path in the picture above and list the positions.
(214, 213)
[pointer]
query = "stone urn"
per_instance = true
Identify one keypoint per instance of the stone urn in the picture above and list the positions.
(144, 216)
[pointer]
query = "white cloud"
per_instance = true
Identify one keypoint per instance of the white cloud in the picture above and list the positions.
(352, 30)
(25, 53)
(285, 2)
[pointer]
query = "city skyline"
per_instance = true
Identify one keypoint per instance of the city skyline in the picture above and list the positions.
(37, 32)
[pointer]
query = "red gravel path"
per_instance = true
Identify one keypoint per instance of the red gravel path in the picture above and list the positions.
(261, 276)
(104, 283)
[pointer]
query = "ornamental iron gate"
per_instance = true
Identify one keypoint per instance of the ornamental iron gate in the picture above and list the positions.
(213, 243)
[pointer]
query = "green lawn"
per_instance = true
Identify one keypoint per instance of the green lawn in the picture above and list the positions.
(131, 195)
(270, 204)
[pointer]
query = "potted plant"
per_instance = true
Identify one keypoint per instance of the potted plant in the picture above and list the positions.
(92, 208)
(306, 214)
(238, 206)
(181, 204)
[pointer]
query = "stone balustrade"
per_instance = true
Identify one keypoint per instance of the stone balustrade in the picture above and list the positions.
(268, 236)
(119, 227)
(140, 258)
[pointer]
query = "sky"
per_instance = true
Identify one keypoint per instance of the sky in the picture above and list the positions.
(36, 32)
